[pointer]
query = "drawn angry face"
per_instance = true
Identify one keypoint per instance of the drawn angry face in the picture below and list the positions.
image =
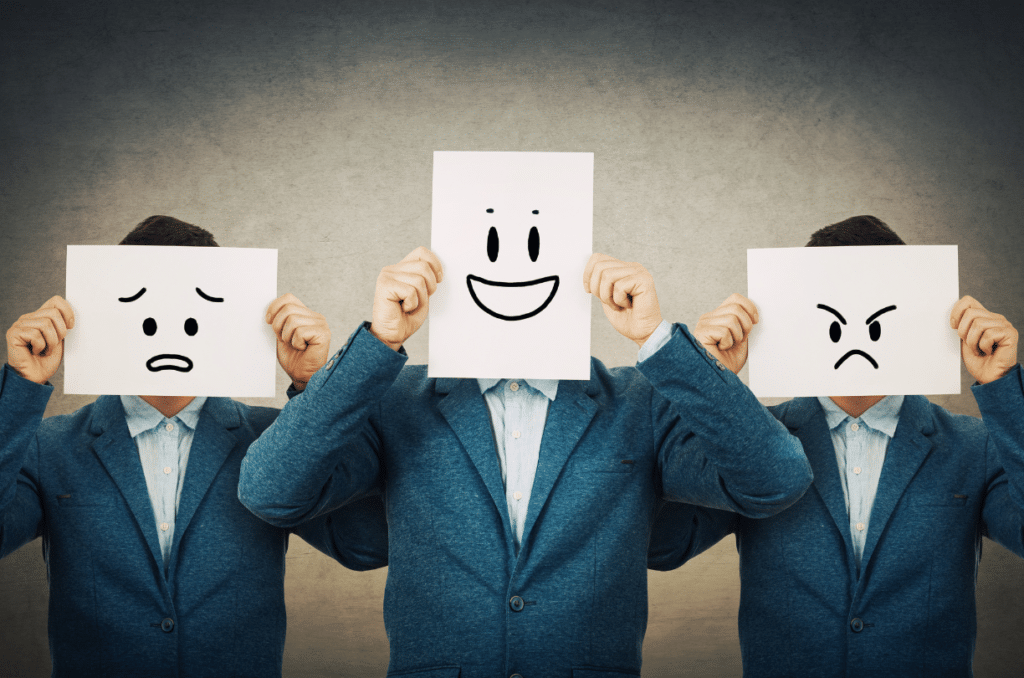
(835, 332)
(169, 361)
(517, 299)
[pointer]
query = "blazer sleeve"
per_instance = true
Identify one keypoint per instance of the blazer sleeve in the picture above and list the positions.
(684, 531)
(718, 447)
(356, 535)
(1002, 409)
(22, 404)
(322, 451)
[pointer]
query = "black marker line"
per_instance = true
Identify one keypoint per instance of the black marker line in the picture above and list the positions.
(168, 356)
(878, 313)
(469, 283)
(832, 310)
(208, 297)
(133, 298)
(857, 351)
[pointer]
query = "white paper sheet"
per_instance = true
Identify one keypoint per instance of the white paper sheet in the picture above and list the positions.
(202, 308)
(890, 304)
(514, 232)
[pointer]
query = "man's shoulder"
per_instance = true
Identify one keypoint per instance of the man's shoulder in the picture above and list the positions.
(256, 417)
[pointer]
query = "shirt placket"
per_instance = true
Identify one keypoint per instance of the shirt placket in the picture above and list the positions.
(856, 467)
(167, 480)
(514, 491)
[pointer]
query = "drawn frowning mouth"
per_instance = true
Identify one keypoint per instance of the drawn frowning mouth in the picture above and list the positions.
(518, 300)
(857, 351)
(174, 364)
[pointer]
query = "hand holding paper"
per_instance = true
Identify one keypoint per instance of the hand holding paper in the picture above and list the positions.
(303, 338)
(35, 343)
(626, 291)
(725, 330)
(400, 302)
(988, 342)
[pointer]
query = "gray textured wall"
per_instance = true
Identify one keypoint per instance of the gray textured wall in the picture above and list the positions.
(715, 127)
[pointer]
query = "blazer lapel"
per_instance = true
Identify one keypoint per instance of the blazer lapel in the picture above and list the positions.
(119, 455)
(907, 451)
(212, 443)
(466, 412)
(807, 422)
(569, 415)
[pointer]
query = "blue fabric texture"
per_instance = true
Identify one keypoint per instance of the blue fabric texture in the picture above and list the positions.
(947, 481)
(218, 607)
(574, 599)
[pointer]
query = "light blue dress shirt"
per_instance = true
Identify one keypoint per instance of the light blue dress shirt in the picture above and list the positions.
(164, 445)
(860, 445)
(519, 410)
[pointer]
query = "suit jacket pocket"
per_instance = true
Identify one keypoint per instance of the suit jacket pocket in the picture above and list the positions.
(942, 499)
(592, 672)
(435, 672)
(76, 499)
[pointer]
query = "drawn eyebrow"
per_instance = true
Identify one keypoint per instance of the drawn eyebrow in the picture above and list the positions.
(878, 313)
(133, 297)
(207, 296)
(837, 313)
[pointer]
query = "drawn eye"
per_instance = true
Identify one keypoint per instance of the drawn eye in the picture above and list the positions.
(874, 331)
(835, 331)
(492, 244)
(534, 244)
(149, 327)
(191, 327)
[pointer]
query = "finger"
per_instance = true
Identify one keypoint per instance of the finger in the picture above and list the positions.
(746, 304)
(286, 313)
(588, 270)
(607, 275)
(407, 296)
(416, 273)
(42, 335)
(277, 304)
(63, 307)
(739, 313)
(993, 338)
(294, 330)
(626, 288)
(978, 327)
(308, 335)
(429, 258)
(960, 308)
(53, 316)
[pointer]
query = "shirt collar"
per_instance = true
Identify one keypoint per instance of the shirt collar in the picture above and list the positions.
(882, 416)
(549, 387)
(142, 417)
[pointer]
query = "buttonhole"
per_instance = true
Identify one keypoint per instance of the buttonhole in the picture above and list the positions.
(63, 496)
(627, 461)
(529, 602)
(959, 496)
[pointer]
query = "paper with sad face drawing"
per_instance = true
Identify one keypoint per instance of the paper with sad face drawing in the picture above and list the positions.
(514, 232)
(155, 320)
(843, 321)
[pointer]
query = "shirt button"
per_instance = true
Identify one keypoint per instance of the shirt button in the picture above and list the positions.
(856, 469)
(516, 434)
(854, 427)
(516, 603)
(517, 495)
(513, 386)
(164, 526)
(169, 426)
(167, 470)
(860, 527)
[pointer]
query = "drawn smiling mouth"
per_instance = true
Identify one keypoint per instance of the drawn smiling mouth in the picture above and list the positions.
(857, 351)
(517, 300)
(175, 363)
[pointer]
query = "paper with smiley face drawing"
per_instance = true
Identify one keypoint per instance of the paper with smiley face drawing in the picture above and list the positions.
(513, 232)
(155, 320)
(846, 321)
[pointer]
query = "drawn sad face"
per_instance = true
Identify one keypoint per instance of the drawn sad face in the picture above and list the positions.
(513, 299)
(835, 332)
(169, 361)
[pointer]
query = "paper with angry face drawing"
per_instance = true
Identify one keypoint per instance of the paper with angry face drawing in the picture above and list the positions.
(514, 232)
(170, 321)
(843, 321)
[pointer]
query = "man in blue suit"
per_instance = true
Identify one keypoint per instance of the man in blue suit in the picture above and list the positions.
(154, 571)
(519, 510)
(872, 572)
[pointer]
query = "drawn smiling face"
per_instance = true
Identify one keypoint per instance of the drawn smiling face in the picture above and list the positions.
(835, 332)
(512, 300)
(169, 361)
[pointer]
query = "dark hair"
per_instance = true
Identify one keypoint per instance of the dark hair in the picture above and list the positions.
(160, 230)
(862, 230)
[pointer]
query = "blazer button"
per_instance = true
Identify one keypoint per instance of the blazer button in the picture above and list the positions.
(856, 625)
(167, 625)
(515, 675)
(516, 603)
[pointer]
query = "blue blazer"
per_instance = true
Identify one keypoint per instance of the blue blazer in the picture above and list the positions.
(460, 600)
(218, 610)
(909, 610)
